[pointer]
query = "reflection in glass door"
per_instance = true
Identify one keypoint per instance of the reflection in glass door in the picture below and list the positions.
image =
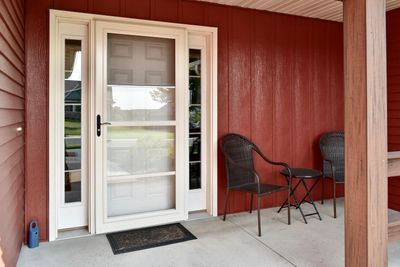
(139, 131)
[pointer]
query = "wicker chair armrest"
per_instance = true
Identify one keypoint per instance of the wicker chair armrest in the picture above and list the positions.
(283, 164)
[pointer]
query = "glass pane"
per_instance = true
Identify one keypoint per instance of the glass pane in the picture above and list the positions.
(72, 154)
(141, 87)
(194, 119)
(140, 150)
(74, 111)
(195, 90)
(72, 123)
(72, 120)
(73, 64)
(72, 187)
(194, 148)
(194, 62)
(195, 176)
(138, 103)
(141, 195)
(195, 76)
(72, 91)
(138, 60)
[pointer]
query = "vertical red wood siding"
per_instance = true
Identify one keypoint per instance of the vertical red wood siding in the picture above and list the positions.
(393, 53)
(12, 98)
(280, 82)
(36, 105)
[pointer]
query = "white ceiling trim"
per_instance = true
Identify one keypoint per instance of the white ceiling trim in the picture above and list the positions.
(321, 9)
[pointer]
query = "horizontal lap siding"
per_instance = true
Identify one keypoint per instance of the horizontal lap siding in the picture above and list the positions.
(12, 102)
(393, 54)
(280, 82)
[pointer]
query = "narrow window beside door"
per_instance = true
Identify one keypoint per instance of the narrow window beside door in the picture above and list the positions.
(72, 121)
(68, 117)
(195, 119)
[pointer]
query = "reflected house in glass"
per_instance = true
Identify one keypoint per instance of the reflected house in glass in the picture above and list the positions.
(150, 103)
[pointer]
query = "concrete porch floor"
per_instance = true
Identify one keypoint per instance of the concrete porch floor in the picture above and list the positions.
(231, 243)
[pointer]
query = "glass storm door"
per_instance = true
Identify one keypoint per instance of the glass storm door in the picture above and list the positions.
(140, 144)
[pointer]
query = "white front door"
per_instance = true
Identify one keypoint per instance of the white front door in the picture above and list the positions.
(141, 155)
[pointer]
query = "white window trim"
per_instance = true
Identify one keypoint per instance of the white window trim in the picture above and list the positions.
(57, 16)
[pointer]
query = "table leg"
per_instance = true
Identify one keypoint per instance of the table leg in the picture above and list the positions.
(291, 194)
(299, 207)
(308, 194)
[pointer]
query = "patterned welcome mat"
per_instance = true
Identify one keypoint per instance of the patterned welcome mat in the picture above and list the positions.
(132, 240)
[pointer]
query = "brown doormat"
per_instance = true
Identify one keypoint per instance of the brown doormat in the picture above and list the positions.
(132, 240)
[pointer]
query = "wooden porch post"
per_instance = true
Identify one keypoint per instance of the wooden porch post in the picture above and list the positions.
(365, 133)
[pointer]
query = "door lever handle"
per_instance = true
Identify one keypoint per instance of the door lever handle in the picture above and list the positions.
(99, 124)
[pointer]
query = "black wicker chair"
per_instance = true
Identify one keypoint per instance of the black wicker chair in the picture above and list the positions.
(332, 150)
(241, 174)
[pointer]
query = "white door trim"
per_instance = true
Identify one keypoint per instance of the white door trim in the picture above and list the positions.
(57, 16)
(56, 115)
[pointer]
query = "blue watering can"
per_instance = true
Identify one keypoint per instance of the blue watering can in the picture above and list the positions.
(33, 238)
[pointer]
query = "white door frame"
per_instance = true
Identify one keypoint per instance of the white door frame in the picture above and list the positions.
(56, 17)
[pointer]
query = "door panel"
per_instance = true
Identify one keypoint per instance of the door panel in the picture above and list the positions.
(141, 195)
(140, 94)
(140, 60)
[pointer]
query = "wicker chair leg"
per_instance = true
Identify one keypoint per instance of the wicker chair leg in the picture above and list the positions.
(322, 189)
(251, 202)
(334, 199)
(226, 202)
(288, 206)
(258, 215)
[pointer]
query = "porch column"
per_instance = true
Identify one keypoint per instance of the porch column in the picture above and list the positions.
(365, 133)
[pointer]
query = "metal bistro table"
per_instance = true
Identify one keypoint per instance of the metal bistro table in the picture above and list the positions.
(302, 174)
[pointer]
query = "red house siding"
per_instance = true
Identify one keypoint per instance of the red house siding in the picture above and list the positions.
(393, 51)
(280, 82)
(12, 95)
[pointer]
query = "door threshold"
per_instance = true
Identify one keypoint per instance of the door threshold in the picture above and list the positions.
(72, 233)
(199, 215)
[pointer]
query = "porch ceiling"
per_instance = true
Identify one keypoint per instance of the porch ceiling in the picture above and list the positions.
(322, 9)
